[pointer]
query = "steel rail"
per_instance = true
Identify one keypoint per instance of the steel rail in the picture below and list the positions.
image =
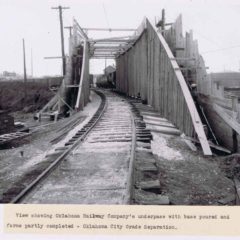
(26, 190)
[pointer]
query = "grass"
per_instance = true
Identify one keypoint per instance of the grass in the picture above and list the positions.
(12, 96)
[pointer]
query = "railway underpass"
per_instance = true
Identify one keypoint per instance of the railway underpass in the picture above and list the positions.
(139, 135)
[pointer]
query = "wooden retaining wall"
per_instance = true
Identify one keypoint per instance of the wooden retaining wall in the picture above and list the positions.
(149, 68)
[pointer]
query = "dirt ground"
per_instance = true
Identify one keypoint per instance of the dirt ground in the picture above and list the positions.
(189, 178)
(37, 145)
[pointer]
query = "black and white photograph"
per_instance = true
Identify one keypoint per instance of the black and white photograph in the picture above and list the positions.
(120, 102)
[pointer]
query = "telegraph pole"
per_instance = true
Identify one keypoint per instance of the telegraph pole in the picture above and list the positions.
(24, 72)
(163, 19)
(60, 8)
(162, 23)
(31, 63)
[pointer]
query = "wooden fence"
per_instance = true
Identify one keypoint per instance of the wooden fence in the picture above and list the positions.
(150, 68)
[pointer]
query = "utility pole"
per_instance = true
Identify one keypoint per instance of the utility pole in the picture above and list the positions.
(163, 19)
(31, 63)
(60, 8)
(105, 65)
(24, 72)
(162, 23)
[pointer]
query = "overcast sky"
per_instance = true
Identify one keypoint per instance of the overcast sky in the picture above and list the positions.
(215, 25)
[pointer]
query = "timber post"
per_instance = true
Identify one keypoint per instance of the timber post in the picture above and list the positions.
(234, 115)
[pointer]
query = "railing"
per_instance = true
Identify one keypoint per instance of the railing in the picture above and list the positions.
(150, 69)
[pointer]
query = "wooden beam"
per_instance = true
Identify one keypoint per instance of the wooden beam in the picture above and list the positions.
(107, 50)
(94, 57)
(189, 143)
(106, 41)
(104, 55)
(106, 47)
(52, 57)
(227, 118)
(182, 58)
(77, 105)
(72, 86)
(109, 29)
(113, 38)
(83, 34)
(197, 123)
(99, 44)
(212, 145)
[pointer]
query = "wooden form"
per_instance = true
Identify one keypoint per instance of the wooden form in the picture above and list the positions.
(185, 51)
(110, 47)
(230, 120)
(83, 90)
(74, 91)
(148, 68)
(109, 29)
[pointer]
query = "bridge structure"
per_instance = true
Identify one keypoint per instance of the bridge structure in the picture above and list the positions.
(161, 66)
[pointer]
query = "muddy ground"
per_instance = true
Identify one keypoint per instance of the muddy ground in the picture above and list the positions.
(22, 155)
(189, 178)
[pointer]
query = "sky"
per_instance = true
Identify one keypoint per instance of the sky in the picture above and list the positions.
(215, 24)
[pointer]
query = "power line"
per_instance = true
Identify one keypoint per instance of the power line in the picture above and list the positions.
(105, 13)
(24, 72)
(206, 38)
(221, 49)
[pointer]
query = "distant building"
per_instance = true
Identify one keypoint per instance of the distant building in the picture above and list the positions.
(110, 73)
(225, 84)
(9, 74)
(109, 69)
(226, 79)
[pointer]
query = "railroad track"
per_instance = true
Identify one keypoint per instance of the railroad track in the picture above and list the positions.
(29, 180)
(108, 161)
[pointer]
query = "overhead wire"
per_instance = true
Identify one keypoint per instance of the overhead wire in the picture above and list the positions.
(105, 13)
(212, 19)
(221, 49)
